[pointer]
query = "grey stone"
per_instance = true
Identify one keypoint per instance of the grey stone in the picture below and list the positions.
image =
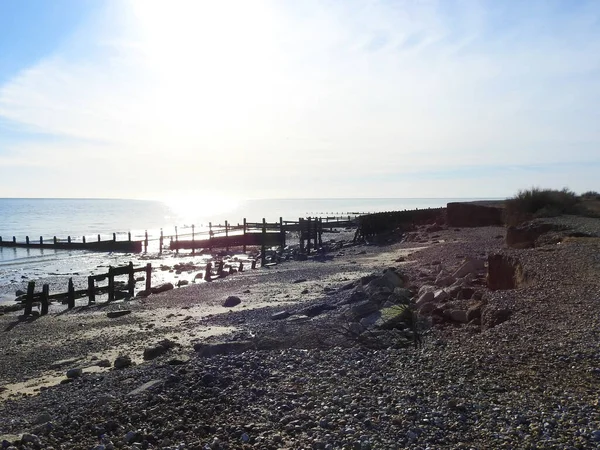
(162, 288)
(114, 314)
(74, 373)
(363, 309)
(426, 297)
(122, 362)
(231, 301)
(222, 348)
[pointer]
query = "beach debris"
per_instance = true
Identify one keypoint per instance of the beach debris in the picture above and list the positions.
(280, 315)
(301, 280)
(146, 386)
(103, 363)
(114, 314)
(231, 301)
(162, 288)
(122, 362)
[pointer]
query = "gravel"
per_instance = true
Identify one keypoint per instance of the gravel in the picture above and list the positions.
(530, 382)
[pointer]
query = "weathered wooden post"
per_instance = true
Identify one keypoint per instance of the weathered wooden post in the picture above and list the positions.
(91, 290)
(281, 235)
(230, 270)
(207, 273)
(41, 240)
(145, 241)
(55, 240)
(253, 265)
(129, 236)
(263, 244)
(111, 284)
(210, 235)
(27, 240)
(29, 298)
(0, 238)
(320, 232)
(301, 227)
(308, 234)
(148, 277)
(83, 239)
(114, 237)
(131, 280)
(14, 239)
(98, 238)
(176, 241)
(226, 237)
(70, 295)
(160, 241)
(69, 239)
(220, 268)
(241, 267)
(45, 299)
(244, 238)
(193, 239)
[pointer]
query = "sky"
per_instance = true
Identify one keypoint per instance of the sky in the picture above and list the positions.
(286, 99)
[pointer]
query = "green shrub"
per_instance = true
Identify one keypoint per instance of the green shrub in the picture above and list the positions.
(536, 202)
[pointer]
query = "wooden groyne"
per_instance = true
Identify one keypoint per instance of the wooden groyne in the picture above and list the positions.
(92, 290)
(225, 236)
(111, 245)
(263, 234)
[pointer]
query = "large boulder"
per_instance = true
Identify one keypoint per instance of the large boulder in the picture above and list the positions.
(122, 362)
(426, 297)
(469, 266)
(444, 279)
(231, 301)
(162, 288)
(525, 236)
(389, 280)
(363, 309)
(505, 272)
(154, 351)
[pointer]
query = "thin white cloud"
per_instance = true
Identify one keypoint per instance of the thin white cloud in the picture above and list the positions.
(210, 91)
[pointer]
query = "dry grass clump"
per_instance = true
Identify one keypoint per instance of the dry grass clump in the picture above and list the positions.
(535, 202)
(591, 195)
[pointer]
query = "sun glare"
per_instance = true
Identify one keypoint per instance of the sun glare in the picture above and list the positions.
(196, 209)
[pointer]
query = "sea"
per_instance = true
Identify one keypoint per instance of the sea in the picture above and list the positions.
(61, 217)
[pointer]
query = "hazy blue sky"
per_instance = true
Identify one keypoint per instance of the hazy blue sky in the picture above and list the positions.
(420, 98)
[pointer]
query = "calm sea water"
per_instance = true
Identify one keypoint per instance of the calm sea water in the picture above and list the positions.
(89, 217)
